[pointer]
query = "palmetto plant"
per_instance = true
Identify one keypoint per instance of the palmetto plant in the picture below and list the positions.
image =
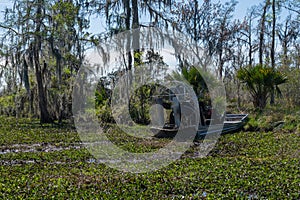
(261, 81)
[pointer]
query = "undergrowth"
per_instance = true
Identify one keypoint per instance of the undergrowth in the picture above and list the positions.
(256, 164)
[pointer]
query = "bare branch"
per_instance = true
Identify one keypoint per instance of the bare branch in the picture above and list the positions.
(9, 28)
(291, 9)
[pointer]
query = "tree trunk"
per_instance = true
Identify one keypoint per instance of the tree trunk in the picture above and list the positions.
(221, 64)
(135, 14)
(44, 114)
(260, 101)
(250, 41)
(262, 32)
(27, 87)
(26, 77)
(127, 26)
(272, 101)
(136, 34)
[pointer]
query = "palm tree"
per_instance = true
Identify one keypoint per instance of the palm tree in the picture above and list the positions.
(261, 81)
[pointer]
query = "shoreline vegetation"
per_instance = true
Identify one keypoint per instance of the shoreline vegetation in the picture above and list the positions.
(158, 62)
(47, 161)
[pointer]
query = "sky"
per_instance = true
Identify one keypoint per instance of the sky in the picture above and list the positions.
(98, 25)
(240, 11)
(243, 5)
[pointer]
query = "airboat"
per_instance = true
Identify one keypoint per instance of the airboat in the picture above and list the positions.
(176, 112)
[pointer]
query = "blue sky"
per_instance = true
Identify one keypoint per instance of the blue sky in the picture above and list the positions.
(240, 11)
(97, 24)
(243, 5)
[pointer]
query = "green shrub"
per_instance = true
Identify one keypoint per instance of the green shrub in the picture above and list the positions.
(7, 105)
(291, 122)
(261, 81)
(104, 113)
(273, 118)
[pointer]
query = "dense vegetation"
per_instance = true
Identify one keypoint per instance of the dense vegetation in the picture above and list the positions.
(261, 81)
(47, 162)
(44, 44)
